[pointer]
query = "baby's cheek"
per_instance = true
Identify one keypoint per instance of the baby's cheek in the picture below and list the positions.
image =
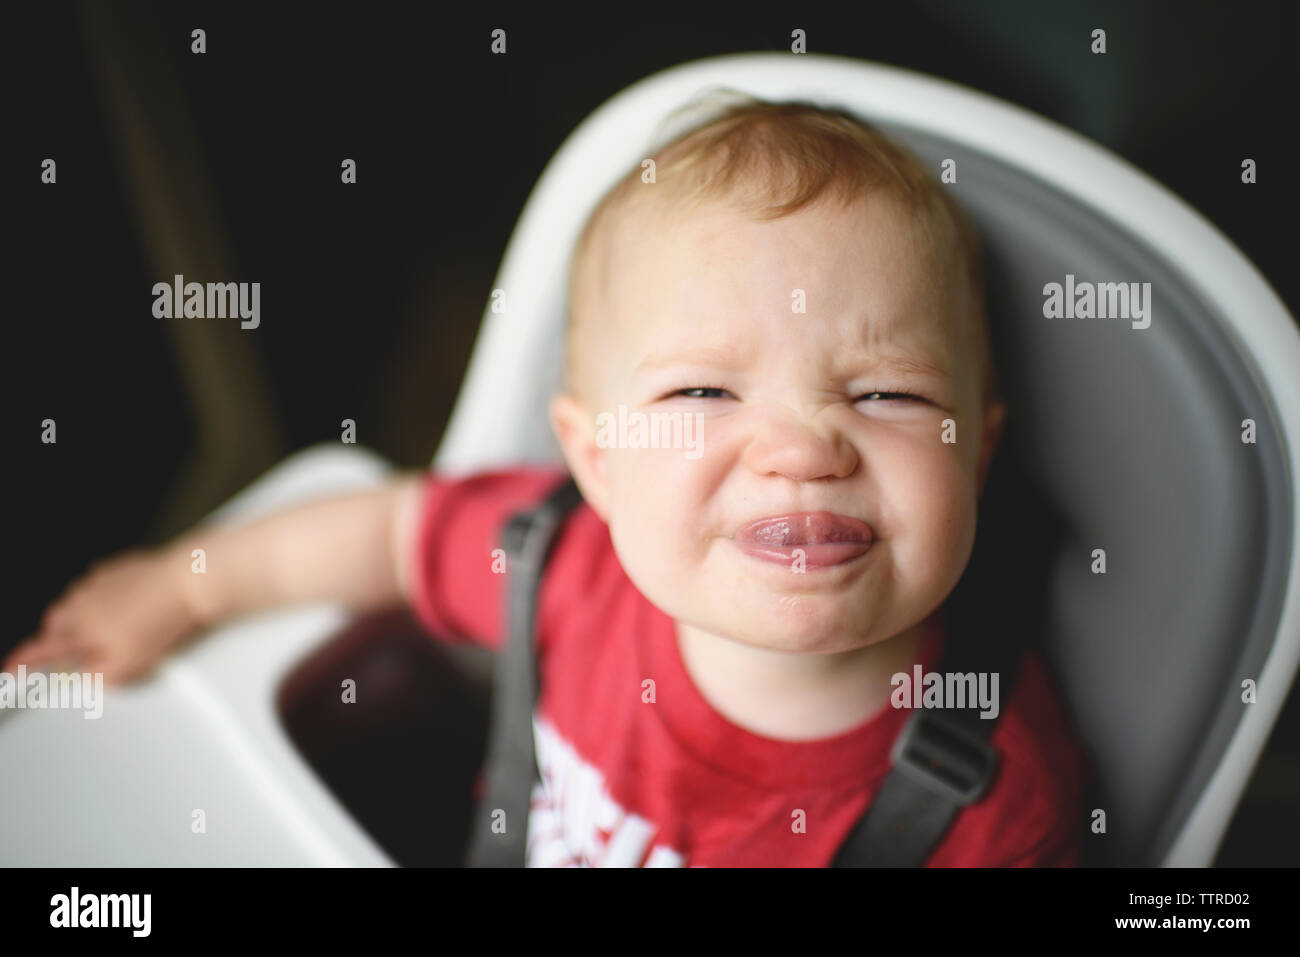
(647, 514)
(934, 512)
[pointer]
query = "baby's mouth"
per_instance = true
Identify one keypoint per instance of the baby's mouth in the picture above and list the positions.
(818, 538)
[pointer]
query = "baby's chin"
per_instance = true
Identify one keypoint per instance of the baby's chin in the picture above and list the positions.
(797, 623)
(794, 643)
(812, 614)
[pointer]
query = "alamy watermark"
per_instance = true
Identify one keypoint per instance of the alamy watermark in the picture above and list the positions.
(215, 300)
(66, 690)
(951, 689)
(75, 909)
(1102, 300)
(654, 430)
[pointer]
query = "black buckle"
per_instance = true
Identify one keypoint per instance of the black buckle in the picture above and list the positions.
(940, 754)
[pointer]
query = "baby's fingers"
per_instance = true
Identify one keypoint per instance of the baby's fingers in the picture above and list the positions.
(45, 649)
(115, 671)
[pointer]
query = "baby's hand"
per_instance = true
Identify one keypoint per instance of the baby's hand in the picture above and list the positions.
(120, 618)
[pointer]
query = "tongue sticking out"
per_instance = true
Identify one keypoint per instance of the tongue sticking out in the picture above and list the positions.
(819, 538)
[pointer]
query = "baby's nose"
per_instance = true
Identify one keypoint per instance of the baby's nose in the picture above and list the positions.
(801, 451)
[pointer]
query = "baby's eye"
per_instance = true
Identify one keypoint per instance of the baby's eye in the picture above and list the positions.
(905, 396)
(700, 388)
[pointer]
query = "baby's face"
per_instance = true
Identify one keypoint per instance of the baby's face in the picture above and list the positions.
(798, 413)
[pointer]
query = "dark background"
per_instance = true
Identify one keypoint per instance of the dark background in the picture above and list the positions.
(226, 165)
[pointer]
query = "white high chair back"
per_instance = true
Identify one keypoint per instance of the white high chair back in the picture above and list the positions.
(1134, 435)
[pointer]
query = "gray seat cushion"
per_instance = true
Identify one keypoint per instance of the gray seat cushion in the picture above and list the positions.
(1128, 440)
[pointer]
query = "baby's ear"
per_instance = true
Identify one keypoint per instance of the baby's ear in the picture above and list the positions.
(995, 414)
(574, 427)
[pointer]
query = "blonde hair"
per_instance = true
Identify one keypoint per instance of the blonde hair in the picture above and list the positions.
(772, 160)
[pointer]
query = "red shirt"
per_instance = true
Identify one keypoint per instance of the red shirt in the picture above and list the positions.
(628, 782)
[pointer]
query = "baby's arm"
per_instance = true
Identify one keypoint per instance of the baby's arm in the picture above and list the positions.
(131, 609)
(349, 549)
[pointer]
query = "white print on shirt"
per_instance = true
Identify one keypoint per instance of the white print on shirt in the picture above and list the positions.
(574, 822)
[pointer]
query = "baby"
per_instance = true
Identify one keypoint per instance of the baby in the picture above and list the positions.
(718, 631)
